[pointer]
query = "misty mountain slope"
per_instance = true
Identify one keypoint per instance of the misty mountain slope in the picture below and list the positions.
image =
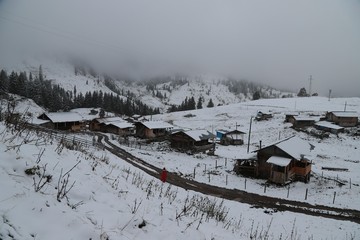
(158, 93)
(173, 90)
(207, 88)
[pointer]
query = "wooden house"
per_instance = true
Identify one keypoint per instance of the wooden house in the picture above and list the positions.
(328, 127)
(343, 118)
(285, 161)
(230, 137)
(260, 116)
(64, 120)
(192, 140)
(114, 125)
(153, 129)
(247, 166)
(302, 121)
(289, 116)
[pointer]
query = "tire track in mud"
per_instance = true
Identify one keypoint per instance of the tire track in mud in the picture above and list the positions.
(253, 199)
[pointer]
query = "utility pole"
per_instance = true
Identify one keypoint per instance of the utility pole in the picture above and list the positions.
(310, 80)
(236, 125)
(249, 135)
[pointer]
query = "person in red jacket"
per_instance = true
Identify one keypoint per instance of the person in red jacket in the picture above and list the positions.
(163, 175)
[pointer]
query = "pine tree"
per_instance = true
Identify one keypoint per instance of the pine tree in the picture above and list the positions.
(4, 81)
(210, 104)
(102, 113)
(41, 75)
(13, 82)
(191, 104)
(256, 95)
(199, 103)
(302, 92)
(21, 84)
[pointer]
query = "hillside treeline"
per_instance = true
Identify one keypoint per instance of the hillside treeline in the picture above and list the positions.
(55, 98)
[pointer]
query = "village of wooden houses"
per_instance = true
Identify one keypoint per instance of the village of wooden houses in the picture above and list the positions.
(282, 162)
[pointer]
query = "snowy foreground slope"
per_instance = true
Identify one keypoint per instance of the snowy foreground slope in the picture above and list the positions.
(111, 199)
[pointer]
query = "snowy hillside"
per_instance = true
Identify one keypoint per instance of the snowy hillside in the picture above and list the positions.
(173, 91)
(85, 192)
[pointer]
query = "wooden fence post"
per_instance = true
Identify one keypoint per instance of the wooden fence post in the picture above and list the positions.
(215, 164)
(350, 183)
(306, 194)
(265, 188)
(245, 183)
(288, 191)
(225, 162)
(226, 180)
(194, 171)
(334, 197)
(209, 176)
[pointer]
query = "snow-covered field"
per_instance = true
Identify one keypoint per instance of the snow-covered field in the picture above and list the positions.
(112, 198)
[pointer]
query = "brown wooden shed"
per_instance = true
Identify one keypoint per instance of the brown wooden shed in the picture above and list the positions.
(192, 140)
(343, 118)
(152, 129)
(285, 161)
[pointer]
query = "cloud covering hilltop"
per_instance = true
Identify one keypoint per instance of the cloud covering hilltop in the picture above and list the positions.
(278, 42)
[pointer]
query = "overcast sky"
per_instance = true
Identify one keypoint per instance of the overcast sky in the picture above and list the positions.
(279, 43)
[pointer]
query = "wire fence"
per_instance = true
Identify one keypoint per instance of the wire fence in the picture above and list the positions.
(69, 138)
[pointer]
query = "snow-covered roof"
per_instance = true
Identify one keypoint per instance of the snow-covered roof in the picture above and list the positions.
(295, 147)
(291, 113)
(230, 131)
(344, 114)
(279, 161)
(57, 117)
(115, 121)
(199, 135)
(86, 113)
(121, 125)
(109, 120)
(328, 125)
(157, 124)
(37, 121)
(306, 118)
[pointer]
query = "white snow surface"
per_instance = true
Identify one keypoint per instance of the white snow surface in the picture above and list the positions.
(112, 198)
(279, 161)
(57, 117)
(198, 135)
(345, 114)
(295, 147)
(328, 125)
(157, 125)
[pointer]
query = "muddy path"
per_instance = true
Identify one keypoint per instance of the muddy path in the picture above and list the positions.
(270, 204)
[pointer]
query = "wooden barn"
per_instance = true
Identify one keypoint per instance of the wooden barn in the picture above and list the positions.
(328, 127)
(343, 118)
(285, 161)
(260, 116)
(289, 116)
(153, 129)
(64, 120)
(192, 140)
(230, 137)
(114, 125)
(302, 121)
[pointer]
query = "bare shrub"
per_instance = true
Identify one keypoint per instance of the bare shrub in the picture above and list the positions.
(63, 188)
(42, 179)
